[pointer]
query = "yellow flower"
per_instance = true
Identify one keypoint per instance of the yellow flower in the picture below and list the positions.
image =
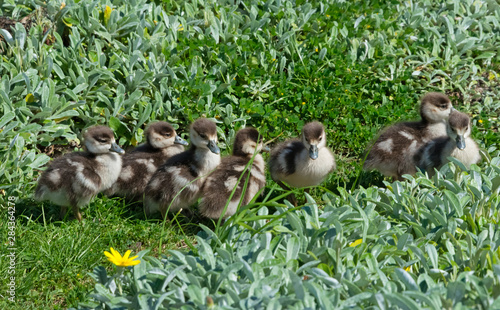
(180, 28)
(408, 269)
(356, 243)
(29, 98)
(63, 5)
(391, 98)
(274, 59)
(281, 94)
(480, 121)
(368, 26)
(178, 98)
(120, 261)
(316, 50)
(303, 103)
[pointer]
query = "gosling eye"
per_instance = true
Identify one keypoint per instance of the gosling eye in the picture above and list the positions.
(167, 134)
(101, 140)
(203, 136)
(444, 106)
(320, 138)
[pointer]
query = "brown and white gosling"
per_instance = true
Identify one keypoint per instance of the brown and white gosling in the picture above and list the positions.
(457, 144)
(138, 166)
(305, 162)
(181, 170)
(393, 152)
(74, 179)
(220, 183)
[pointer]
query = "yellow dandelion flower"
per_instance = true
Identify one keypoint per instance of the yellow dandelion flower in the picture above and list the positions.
(480, 121)
(178, 98)
(356, 243)
(396, 33)
(107, 14)
(391, 98)
(120, 261)
(368, 26)
(63, 5)
(274, 59)
(181, 28)
(408, 269)
(316, 50)
(327, 15)
(281, 94)
(303, 103)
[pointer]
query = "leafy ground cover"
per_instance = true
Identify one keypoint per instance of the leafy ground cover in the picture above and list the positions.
(355, 65)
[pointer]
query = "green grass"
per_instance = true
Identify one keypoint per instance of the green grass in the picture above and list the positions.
(54, 256)
(357, 66)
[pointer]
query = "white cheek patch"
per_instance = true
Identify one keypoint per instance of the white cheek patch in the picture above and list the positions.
(248, 148)
(386, 145)
(461, 131)
(158, 141)
(95, 147)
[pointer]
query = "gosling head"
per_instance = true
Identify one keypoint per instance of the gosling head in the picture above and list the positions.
(203, 135)
(247, 142)
(458, 128)
(435, 107)
(161, 135)
(314, 138)
(100, 140)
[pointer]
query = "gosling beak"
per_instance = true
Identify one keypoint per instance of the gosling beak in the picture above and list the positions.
(212, 146)
(460, 142)
(313, 151)
(116, 148)
(266, 149)
(179, 140)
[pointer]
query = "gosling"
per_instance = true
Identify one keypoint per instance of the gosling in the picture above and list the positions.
(458, 144)
(162, 142)
(393, 152)
(305, 162)
(221, 183)
(177, 183)
(74, 179)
